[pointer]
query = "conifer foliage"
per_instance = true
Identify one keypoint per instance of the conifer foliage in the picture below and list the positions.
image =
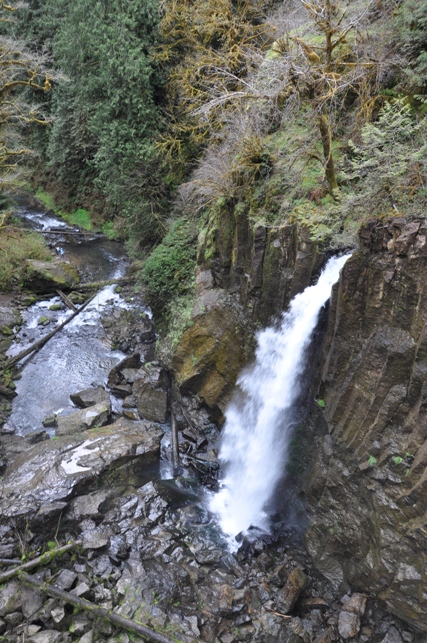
(105, 113)
(412, 27)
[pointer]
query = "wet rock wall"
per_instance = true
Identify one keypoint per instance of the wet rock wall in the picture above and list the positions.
(247, 274)
(367, 488)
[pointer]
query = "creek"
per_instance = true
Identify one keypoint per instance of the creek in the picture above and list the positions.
(80, 355)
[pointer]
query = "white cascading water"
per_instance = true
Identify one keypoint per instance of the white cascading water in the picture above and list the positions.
(256, 433)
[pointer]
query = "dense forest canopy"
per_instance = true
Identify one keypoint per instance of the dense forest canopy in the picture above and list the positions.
(301, 110)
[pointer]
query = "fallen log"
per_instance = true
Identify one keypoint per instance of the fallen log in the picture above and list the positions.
(112, 617)
(102, 284)
(67, 301)
(81, 232)
(174, 441)
(41, 342)
(44, 559)
(9, 561)
(285, 616)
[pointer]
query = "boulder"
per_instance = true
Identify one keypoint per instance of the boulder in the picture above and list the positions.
(87, 506)
(9, 317)
(117, 373)
(65, 579)
(42, 480)
(150, 390)
(10, 598)
(32, 602)
(392, 636)
(90, 397)
(350, 616)
(46, 636)
(88, 418)
(211, 352)
(45, 276)
(289, 594)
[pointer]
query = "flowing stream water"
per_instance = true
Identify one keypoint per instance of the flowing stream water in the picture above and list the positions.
(79, 355)
(258, 425)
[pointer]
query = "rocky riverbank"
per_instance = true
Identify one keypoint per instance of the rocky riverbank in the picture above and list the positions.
(104, 476)
(150, 550)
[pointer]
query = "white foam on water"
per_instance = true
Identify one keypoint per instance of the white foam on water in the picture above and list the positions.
(258, 425)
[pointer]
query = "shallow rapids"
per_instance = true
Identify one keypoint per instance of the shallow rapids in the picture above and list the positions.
(258, 425)
(79, 355)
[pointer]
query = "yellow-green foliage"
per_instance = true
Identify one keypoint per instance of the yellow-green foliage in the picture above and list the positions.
(15, 247)
(201, 41)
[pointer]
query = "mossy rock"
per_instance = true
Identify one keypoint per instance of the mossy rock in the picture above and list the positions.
(55, 307)
(6, 330)
(29, 300)
(212, 351)
(43, 321)
(76, 297)
(45, 276)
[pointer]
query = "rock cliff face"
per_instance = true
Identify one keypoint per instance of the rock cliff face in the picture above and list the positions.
(368, 486)
(366, 490)
(266, 266)
(246, 275)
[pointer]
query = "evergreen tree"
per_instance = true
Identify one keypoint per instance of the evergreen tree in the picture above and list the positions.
(412, 26)
(105, 113)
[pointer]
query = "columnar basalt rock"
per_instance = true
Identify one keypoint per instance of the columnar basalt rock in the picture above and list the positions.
(247, 273)
(369, 527)
(265, 266)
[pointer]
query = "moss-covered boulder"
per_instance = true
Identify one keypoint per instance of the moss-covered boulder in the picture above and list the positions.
(44, 276)
(212, 350)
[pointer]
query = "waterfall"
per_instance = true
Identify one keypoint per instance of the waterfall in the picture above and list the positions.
(257, 431)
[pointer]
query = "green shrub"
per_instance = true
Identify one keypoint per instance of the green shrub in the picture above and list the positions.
(168, 271)
(411, 23)
(177, 318)
(81, 218)
(388, 168)
(46, 199)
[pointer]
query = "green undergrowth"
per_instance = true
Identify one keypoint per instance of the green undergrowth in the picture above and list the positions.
(80, 217)
(382, 173)
(16, 246)
(168, 271)
(176, 319)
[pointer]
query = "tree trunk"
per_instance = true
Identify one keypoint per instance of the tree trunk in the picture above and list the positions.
(325, 132)
(41, 342)
(44, 559)
(113, 617)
